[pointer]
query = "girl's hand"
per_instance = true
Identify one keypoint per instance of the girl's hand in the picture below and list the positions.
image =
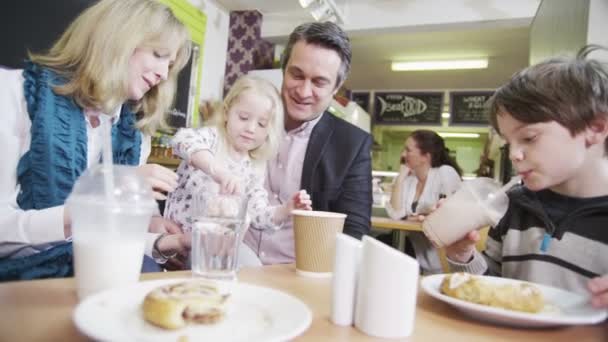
(461, 251)
(161, 179)
(229, 183)
(599, 291)
(300, 200)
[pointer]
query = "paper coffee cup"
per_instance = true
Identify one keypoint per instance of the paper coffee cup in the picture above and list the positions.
(315, 241)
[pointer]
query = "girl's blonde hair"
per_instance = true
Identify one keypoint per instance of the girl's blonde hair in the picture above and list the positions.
(93, 55)
(276, 128)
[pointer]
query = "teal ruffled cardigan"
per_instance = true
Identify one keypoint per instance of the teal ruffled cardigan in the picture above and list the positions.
(57, 157)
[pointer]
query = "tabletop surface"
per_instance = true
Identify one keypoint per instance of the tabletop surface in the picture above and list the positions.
(42, 310)
(388, 223)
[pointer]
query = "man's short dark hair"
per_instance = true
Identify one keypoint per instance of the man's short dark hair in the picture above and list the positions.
(327, 35)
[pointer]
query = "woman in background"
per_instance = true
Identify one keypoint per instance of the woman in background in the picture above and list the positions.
(116, 63)
(427, 174)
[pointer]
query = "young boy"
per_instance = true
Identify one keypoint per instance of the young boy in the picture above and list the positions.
(554, 116)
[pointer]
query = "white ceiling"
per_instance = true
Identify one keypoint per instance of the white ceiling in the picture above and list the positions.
(386, 30)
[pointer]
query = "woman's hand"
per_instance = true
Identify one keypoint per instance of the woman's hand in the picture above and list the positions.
(159, 225)
(178, 244)
(161, 179)
(404, 171)
(599, 291)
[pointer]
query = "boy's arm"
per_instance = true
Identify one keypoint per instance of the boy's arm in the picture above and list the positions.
(488, 262)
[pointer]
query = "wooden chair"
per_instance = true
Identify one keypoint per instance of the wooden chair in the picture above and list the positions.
(481, 245)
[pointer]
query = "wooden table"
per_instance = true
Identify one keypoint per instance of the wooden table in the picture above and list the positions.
(42, 311)
(389, 223)
(400, 229)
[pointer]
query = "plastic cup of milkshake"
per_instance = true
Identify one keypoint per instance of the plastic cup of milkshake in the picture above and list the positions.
(110, 210)
(478, 203)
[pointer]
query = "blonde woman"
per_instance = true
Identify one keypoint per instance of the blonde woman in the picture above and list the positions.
(118, 63)
(229, 157)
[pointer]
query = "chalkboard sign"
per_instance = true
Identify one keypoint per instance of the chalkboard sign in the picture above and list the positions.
(468, 108)
(362, 99)
(409, 108)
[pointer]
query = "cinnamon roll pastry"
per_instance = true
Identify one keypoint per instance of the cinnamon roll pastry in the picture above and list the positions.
(176, 305)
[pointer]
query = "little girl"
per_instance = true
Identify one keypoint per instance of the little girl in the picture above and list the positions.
(232, 153)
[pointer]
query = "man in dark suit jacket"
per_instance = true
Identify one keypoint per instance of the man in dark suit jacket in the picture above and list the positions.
(326, 156)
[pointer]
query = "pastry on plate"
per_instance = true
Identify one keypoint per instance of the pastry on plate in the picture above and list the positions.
(519, 297)
(174, 306)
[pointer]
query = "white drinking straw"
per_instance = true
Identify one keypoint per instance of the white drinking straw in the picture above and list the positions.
(510, 184)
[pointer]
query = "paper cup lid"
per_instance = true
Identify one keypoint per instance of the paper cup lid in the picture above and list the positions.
(129, 191)
(314, 213)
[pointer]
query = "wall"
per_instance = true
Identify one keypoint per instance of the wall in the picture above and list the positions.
(598, 26)
(246, 50)
(214, 51)
(560, 26)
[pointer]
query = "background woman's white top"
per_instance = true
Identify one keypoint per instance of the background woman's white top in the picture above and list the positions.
(443, 180)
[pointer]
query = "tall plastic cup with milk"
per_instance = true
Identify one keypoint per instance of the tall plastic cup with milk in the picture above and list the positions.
(478, 203)
(110, 210)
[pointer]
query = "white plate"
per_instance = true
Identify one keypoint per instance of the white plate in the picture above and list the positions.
(254, 314)
(562, 307)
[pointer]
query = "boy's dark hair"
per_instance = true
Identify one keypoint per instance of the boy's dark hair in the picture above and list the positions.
(573, 91)
(327, 35)
(431, 143)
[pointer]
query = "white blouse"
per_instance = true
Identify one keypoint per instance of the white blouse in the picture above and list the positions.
(443, 180)
(37, 229)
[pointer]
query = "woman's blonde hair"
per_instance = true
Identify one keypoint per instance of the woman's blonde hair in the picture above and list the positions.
(276, 128)
(93, 55)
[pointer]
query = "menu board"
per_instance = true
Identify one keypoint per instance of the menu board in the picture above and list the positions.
(362, 99)
(408, 108)
(468, 108)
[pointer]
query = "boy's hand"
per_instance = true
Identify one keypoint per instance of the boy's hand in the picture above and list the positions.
(300, 200)
(461, 251)
(599, 291)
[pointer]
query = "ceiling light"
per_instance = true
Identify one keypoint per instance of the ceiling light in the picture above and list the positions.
(306, 3)
(458, 135)
(440, 65)
(445, 115)
(324, 10)
(321, 12)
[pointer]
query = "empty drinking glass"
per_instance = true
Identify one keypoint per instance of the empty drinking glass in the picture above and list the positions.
(216, 234)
